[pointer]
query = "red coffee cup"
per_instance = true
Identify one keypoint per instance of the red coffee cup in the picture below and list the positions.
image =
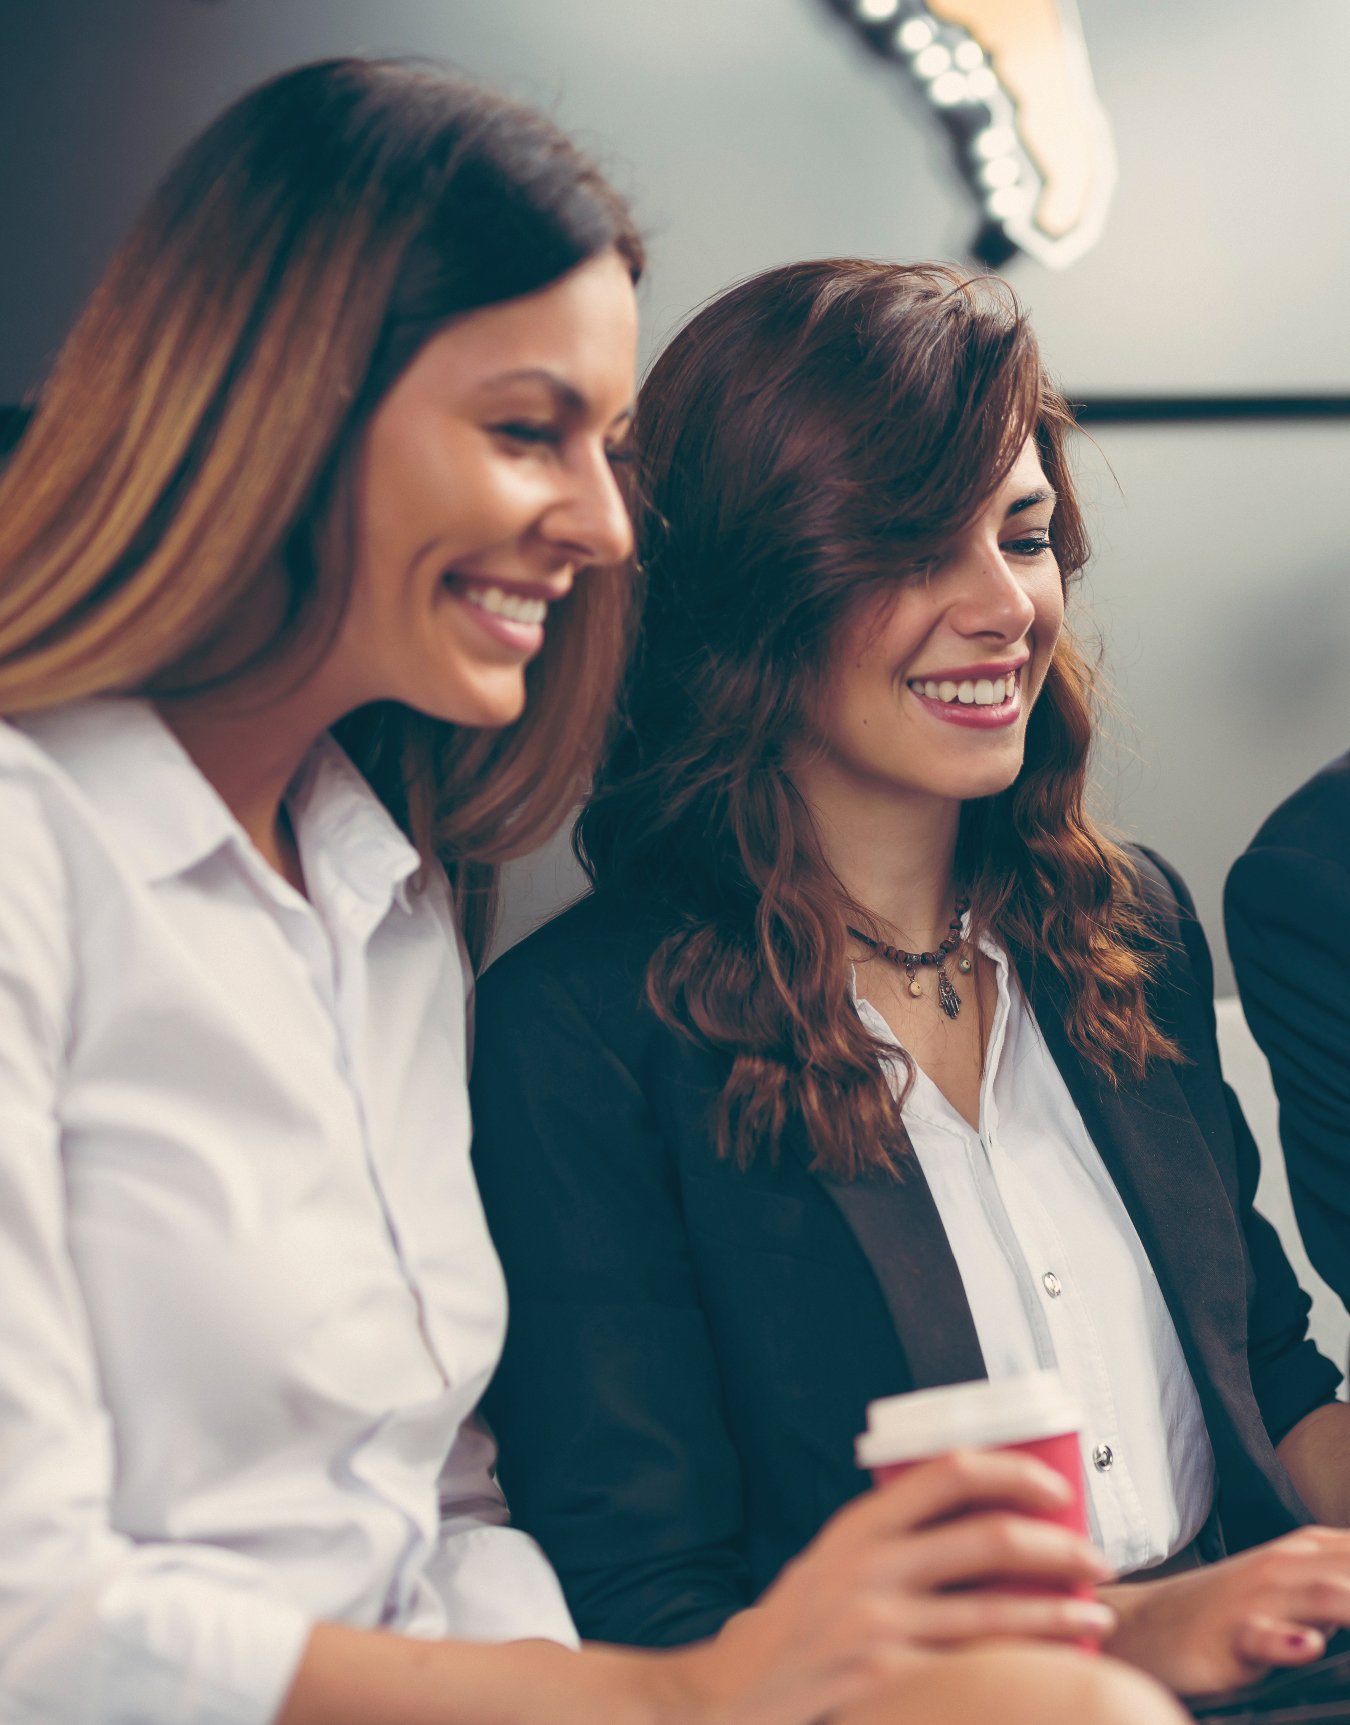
(1032, 1414)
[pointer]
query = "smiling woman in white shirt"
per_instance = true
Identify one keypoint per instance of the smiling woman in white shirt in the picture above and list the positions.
(312, 600)
(872, 1064)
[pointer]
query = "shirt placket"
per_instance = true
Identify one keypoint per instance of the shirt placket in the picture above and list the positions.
(360, 917)
(333, 949)
(339, 935)
(1114, 1503)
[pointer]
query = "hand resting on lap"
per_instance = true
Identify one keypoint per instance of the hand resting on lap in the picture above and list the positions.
(1229, 1624)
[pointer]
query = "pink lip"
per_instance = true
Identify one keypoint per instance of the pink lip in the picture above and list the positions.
(972, 717)
(975, 718)
(971, 673)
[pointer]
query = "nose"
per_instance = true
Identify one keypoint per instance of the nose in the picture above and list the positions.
(991, 601)
(590, 520)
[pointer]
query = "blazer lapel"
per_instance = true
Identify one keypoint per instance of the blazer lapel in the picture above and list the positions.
(1160, 1163)
(896, 1223)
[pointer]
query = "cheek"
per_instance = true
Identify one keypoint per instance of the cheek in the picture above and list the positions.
(884, 638)
(432, 482)
(1048, 599)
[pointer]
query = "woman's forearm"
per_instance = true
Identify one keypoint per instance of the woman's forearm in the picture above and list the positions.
(1316, 1455)
(353, 1676)
(882, 1581)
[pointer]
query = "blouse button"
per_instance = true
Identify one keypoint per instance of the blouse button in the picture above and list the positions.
(1102, 1458)
(1050, 1282)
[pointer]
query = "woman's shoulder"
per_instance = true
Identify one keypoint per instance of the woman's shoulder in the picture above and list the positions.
(1166, 898)
(52, 800)
(593, 956)
(40, 810)
(49, 869)
(25, 767)
(1183, 968)
(1315, 819)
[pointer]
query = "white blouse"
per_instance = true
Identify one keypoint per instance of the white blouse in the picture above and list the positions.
(248, 1301)
(1056, 1275)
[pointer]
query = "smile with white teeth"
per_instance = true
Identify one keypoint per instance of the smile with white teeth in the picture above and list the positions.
(503, 604)
(982, 692)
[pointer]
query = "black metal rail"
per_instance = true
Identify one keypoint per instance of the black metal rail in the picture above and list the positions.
(1207, 409)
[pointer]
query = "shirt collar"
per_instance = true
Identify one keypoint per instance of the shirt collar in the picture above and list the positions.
(166, 817)
(342, 827)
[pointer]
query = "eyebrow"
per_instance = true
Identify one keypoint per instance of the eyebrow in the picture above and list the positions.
(1031, 499)
(566, 397)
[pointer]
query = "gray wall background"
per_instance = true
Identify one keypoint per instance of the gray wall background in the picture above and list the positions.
(749, 132)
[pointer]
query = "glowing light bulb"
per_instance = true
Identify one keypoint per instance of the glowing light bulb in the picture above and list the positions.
(993, 141)
(914, 35)
(949, 89)
(933, 62)
(878, 11)
(1002, 171)
(969, 55)
(981, 83)
(1008, 201)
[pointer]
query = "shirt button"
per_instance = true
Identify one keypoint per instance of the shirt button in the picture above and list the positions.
(1050, 1282)
(1102, 1458)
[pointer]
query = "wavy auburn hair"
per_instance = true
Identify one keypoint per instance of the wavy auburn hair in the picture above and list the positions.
(810, 438)
(202, 425)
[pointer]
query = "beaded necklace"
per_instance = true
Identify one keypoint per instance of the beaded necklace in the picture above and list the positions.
(948, 999)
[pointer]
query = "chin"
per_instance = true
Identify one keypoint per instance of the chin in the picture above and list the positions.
(990, 781)
(487, 705)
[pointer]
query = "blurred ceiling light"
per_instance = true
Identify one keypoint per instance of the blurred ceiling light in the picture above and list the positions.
(1008, 201)
(1012, 83)
(933, 62)
(913, 35)
(994, 141)
(1002, 171)
(949, 89)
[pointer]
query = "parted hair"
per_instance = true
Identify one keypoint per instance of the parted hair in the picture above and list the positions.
(810, 438)
(201, 425)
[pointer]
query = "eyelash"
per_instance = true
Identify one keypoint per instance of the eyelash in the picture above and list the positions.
(519, 432)
(1029, 547)
(533, 436)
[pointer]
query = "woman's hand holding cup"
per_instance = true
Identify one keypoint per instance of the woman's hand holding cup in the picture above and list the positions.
(956, 1550)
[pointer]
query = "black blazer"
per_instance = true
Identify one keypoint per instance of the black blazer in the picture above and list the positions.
(691, 1348)
(1287, 910)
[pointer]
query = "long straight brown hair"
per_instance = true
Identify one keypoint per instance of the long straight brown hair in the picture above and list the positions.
(808, 440)
(201, 425)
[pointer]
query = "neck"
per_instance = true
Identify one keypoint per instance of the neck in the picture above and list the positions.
(248, 741)
(892, 852)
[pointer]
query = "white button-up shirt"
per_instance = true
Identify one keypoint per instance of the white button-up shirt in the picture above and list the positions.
(248, 1301)
(1056, 1275)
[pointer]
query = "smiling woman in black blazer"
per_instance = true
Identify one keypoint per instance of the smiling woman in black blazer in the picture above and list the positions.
(871, 1064)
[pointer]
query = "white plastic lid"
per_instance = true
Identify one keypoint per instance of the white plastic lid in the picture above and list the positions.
(963, 1416)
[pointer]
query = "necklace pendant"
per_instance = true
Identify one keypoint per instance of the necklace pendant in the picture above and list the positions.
(948, 999)
(914, 988)
(963, 965)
